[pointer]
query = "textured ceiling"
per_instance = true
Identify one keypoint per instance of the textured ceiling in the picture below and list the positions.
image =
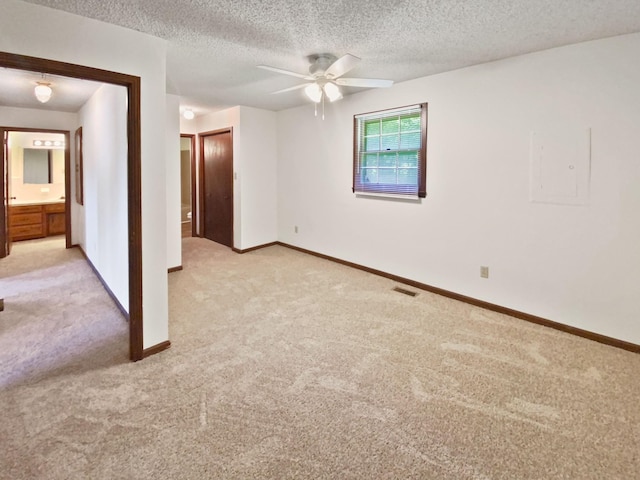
(215, 45)
(69, 94)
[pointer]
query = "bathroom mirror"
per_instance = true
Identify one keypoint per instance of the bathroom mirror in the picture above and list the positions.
(37, 166)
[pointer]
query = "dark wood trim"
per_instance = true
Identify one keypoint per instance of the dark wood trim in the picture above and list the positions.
(613, 342)
(356, 160)
(4, 234)
(33, 130)
(174, 269)
(134, 171)
(132, 84)
(194, 192)
(192, 140)
(78, 171)
(257, 247)
(422, 181)
(67, 190)
(147, 352)
(123, 310)
(49, 166)
(200, 188)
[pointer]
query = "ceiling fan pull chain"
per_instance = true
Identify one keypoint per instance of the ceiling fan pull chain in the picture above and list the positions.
(323, 105)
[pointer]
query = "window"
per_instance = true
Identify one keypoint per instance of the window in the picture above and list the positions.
(390, 151)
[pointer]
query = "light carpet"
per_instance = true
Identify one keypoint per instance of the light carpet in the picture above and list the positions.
(284, 365)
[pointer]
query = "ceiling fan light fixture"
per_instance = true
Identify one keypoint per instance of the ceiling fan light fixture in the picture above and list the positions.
(333, 92)
(326, 77)
(314, 92)
(188, 114)
(43, 92)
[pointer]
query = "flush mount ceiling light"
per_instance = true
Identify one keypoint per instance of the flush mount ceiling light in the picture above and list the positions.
(43, 92)
(188, 114)
(324, 73)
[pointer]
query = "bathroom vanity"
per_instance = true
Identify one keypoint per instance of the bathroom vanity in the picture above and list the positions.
(36, 220)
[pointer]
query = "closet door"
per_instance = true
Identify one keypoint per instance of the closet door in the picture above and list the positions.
(216, 162)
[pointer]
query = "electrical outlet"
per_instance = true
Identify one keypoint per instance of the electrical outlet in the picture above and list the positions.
(484, 272)
(295, 228)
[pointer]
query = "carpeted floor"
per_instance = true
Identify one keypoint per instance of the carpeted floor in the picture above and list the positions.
(284, 365)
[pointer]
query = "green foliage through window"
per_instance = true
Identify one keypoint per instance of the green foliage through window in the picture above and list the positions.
(390, 151)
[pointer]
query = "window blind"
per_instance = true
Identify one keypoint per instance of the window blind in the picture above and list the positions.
(390, 151)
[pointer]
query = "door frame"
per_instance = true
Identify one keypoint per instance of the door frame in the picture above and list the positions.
(194, 217)
(134, 174)
(5, 241)
(4, 221)
(201, 212)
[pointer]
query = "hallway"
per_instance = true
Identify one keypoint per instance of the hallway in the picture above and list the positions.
(57, 317)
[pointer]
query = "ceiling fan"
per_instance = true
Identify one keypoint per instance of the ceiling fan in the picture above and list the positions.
(325, 77)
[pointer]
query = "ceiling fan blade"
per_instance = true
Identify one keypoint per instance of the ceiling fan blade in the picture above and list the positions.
(341, 66)
(364, 82)
(285, 72)
(297, 87)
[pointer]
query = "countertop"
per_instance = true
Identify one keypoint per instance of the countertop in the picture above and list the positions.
(20, 203)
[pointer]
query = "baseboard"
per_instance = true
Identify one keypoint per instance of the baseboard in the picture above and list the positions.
(174, 269)
(147, 352)
(104, 284)
(614, 342)
(257, 247)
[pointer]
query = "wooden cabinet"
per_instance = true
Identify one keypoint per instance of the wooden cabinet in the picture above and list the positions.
(54, 218)
(36, 220)
(25, 222)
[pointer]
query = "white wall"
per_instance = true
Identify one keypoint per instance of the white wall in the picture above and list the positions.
(172, 152)
(104, 152)
(258, 177)
(577, 265)
(34, 118)
(42, 32)
(188, 126)
(254, 166)
(29, 192)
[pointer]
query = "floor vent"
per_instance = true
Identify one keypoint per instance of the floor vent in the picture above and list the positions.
(406, 292)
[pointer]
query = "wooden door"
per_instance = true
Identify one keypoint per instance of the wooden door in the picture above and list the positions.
(216, 181)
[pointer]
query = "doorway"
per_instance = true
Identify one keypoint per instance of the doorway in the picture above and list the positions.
(188, 185)
(132, 84)
(216, 186)
(37, 185)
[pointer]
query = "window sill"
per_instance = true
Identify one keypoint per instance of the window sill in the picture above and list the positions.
(390, 196)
